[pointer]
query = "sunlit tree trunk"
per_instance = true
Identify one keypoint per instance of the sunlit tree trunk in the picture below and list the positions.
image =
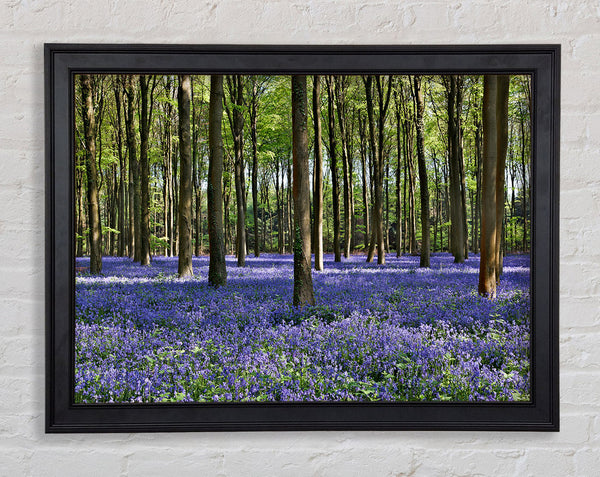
(217, 273)
(303, 287)
(89, 125)
(185, 178)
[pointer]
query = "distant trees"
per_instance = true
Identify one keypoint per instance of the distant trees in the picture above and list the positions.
(439, 163)
(383, 88)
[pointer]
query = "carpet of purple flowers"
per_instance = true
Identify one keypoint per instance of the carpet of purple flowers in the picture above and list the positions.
(393, 332)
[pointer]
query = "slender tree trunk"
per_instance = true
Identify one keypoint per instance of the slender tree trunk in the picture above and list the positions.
(253, 136)
(503, 84)
(197, 173)
(377, 145)
(463, 186)
(525, 194)
(144, 173)
(236, 121)
(479, 165)
(457, 218)
(318, 176)
(333, 166)
(487, 272)
(398, 181)
(365, 187)
(134, 205)
(80, 206)
(217, 273)
(122, 170)
(340, 88)
(185, 178)
(289, 206)
(89, 125)
(279, 200)
(303, 287)
(424, 187)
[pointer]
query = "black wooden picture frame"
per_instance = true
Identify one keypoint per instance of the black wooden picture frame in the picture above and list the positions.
(63, 61)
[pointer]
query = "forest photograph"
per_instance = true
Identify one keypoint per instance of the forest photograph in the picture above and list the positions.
(317, 238)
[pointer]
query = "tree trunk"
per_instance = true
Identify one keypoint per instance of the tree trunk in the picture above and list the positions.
(487, 272)
(340, 88)
(318, 176)
(303, 287)
(503, 84)
(376, 142)
(365, 187)
(144, 177)
(398, 181)
(217, 273)
(479, 165)
(236, 122)
(185, 178)
(457, 218)
(253, 135)
(121, 243)
(333, 166)
(134, 210)
(89, 125)
(424, 187)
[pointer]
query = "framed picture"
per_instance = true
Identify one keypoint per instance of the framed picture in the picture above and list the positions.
(301, 237)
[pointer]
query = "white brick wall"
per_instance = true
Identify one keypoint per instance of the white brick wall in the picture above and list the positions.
(24, 448)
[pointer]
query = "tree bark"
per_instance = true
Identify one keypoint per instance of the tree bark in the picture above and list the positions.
(487, 272)
(89, 125)
(365, 187)
(253, 136)
(236, 121)
(144, 172)
(424, 187)
(340, 88)
(502, 135)
(318, 176)
(333, 166)
(398, 181)
(457, 217)
(217, 273)
(134, 172)
(121, 242)
(184, 221)
(303, 287)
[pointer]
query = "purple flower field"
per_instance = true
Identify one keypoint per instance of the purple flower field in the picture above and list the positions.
(393, 332)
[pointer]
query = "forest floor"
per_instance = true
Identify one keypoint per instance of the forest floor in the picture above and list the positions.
(393, 332)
